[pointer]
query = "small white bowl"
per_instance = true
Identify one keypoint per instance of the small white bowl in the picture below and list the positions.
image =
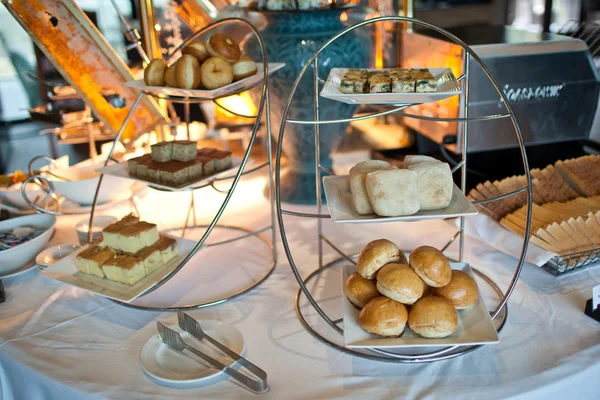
(16, 257)
(55, 253)
(100, 222)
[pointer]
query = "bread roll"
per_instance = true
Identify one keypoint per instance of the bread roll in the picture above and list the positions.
(170, 76)
(399, 282)
(359, 290)
(384, 317)
(416, 159)
(375, 255)
(187, 72)
(461, 291)
(197, 49)
(393, 192)
(243, 68)
(358, 176)
(223, 46)
(433, 317)
(434, 184)
(216, 73)
(154, 74)
(431, 265)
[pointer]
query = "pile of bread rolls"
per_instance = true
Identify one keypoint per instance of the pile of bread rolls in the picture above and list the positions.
(391, 290)
(209, 66)
(423, 183)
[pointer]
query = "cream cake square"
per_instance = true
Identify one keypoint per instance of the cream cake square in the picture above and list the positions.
(151, 257)
(132, 164)
(208, 165)
(154, 172)
(162, 152)
(110, 233)
(90, 260)
(141, 169)
(222, 160)
(135, 237)
(125, 269)
(168, 248)
(184, 150)
(174, 173)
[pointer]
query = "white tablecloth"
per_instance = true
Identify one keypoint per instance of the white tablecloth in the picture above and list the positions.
(58, 342)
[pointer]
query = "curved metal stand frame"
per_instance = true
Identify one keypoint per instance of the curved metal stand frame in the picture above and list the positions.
(501, 308)
(263, 107)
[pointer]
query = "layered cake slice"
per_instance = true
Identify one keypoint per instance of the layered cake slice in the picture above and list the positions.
(162, 152)
(135, 237)
(132, 164)
(222, 160)
(184, 150)
(110, 234)
(154, 172)
(168, 248)
(90, 260)
(195, 170)
(207, 151)
(175, 173)
(141, 169)
(125, 269)
(208, 165)
(151, 257)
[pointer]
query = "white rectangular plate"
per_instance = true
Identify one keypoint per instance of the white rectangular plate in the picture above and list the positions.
(66, 271)
(120, 170)
(339, 202)
(232, 88)
(447, 87)
(475, 325)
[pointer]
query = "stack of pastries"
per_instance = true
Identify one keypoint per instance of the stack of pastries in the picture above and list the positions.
(424, 183)
(423, 291)
(210, 65)
(178, 163)
(128, 251)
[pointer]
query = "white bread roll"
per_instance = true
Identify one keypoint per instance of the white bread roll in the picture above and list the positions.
(358, 176)
(434, 183)
(393, 192)
(399, 282)
(416, 159)
(384, 317)
(433, 317)
(375, 255)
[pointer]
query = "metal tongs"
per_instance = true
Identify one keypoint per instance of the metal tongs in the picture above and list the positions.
(174, 340)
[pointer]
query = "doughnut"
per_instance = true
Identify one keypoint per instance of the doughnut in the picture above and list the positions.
(243, 68)
(170, 76)
(198, 50)
(216, 72)
(154, 74)
(220, 45)
(187, 72)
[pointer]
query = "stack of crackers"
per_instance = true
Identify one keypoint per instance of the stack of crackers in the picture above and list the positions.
(582, 173)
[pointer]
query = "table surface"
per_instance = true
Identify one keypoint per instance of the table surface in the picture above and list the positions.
(66, 343)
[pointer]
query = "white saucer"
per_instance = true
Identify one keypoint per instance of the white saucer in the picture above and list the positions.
(27, 267)
(170, 368)
(54, 254)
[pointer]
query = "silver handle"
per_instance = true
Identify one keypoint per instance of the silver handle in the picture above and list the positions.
(249, 366)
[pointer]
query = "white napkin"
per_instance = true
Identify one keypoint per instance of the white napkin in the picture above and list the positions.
(484, 228)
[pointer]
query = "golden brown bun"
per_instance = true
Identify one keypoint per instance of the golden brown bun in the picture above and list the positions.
(243, 68)
(399, 282)
(187, 72)
(216, 72)
(197, 49)
(433, 317)
(154, 74)
(375, 255)
(384, 317)
(359, 290)
(431, 265)
(220, 45)
(170, 76)
(461, 291)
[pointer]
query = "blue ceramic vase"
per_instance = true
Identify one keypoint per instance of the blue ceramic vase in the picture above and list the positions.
(292, 37)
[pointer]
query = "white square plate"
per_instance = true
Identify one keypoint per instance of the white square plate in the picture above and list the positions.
(122, 171)
(447, 87)
(232, 88)
(66, 271)
(475, 325)
(339, 203)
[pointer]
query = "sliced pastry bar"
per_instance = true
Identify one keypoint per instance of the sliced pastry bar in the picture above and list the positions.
(361, 85)
(403, 84)
(425, 82)
(135, 237)
(379, 84)
(175, 173)
(347, 85)
(125, 269)
(208, 164)
(168, 248)
(110, 234)
(151, 258)
(90, 260)
(162, 152)
(132, 164)
(222, 160)
(184, 150)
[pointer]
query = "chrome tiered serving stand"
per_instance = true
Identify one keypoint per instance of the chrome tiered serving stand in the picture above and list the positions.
(242, 232)
(498, 315)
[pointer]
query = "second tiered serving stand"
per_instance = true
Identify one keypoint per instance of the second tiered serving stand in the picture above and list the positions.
(332, 332)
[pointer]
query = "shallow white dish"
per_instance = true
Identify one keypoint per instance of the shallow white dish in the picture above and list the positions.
(447, 87)
(475, 325)
(66, 271)
(14, 259)
(121, 170)
(232, 88)
(339, 203)
(170, 368)
(53, 254)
